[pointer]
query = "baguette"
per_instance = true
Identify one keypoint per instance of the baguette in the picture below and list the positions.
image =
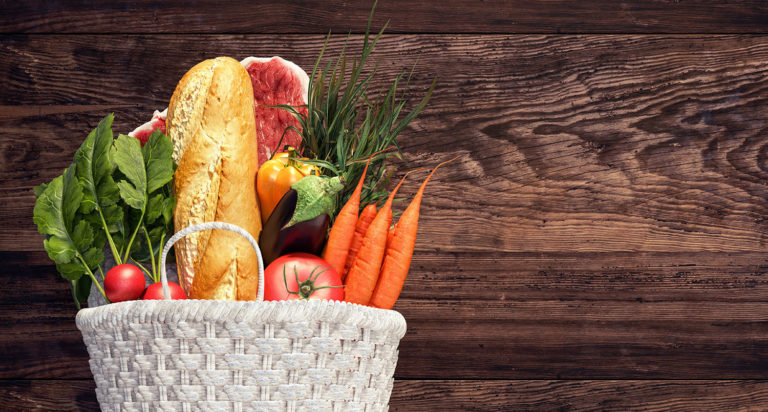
(211, 123)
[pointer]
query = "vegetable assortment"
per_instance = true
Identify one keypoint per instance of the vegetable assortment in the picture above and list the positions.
(340, 238)
(276, 176)
(318, 199)
(343, 124)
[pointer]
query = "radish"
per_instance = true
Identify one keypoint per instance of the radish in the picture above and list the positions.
(155, 291)
(124, 282)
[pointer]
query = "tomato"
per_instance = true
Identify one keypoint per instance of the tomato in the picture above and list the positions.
(302, 276)
(155, 291)
(124, 282)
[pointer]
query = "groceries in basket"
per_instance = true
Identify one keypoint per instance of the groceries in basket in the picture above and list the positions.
(299, 162)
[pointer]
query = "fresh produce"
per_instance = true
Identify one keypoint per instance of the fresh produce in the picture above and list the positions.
(316, 196)
(276, 176)
(362, 277)
(146, 190)
(211, 123)
(345, 122)
(343, 230)
(155, 291)
(124, 282)
(115, 193)
(391, 235)
(119, 193)
(397, 260)
(270, 234)
(307, 236)
(278, 239)
(365, 219)
(302, 276)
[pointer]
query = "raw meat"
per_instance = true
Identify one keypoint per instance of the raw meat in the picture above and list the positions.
(276, 81)
(158, 122)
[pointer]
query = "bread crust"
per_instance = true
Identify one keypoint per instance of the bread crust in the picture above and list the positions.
(211, 123)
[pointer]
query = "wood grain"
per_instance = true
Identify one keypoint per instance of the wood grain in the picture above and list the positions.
(489, 316)
(578, 395)
(566, 143)
(448, 395)
(444, 16)
(605, 218)
(41, 395)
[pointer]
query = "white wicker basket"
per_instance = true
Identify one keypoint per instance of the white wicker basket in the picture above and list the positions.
(205, 355)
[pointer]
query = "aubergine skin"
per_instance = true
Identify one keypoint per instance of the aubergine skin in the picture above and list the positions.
(279, 217)
(308, 236)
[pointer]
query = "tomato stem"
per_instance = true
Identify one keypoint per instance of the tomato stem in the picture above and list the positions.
(307, 287)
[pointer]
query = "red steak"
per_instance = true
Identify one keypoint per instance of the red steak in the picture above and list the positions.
(276, 81)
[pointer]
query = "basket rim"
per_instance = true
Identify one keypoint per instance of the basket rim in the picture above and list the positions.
(120, 314)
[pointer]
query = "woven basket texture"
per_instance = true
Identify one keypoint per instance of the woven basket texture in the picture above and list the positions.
(207, 355)
(199, 355)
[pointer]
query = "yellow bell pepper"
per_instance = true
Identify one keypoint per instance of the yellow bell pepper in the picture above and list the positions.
(276, 176)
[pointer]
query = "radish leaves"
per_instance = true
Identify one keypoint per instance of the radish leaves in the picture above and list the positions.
(107, 190)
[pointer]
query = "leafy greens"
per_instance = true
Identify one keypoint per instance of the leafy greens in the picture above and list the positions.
(112, 188)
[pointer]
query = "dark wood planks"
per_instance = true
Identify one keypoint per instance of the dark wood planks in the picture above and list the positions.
(578, 395)
(48, 395)
(605, 220)
(591, 315)
(488, 316)
(565, 143)
(446, 16)
(447, 395)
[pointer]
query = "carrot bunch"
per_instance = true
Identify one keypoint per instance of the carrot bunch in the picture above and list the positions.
(342, 233)
(377, 257)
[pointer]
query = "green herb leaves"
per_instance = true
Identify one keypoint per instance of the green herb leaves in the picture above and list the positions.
(345, 124)
(129, 160)
(53, 214)
(148, 172)
(69, 244)
(146, 169)
(108, 188)
(157, 159)
(94, 170)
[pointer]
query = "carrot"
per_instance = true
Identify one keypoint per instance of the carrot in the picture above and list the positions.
(340, 237)
(362, 277)
(365, 219)
(390, 236)
(399, 252)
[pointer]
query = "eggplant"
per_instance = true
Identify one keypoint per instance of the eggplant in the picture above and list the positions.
(279, 217)
(277, 240)
(307, 236)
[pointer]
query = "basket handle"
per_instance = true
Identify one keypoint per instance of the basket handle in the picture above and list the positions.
(207, 226)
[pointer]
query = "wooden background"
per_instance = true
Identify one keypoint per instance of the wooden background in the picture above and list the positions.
(598, 245)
